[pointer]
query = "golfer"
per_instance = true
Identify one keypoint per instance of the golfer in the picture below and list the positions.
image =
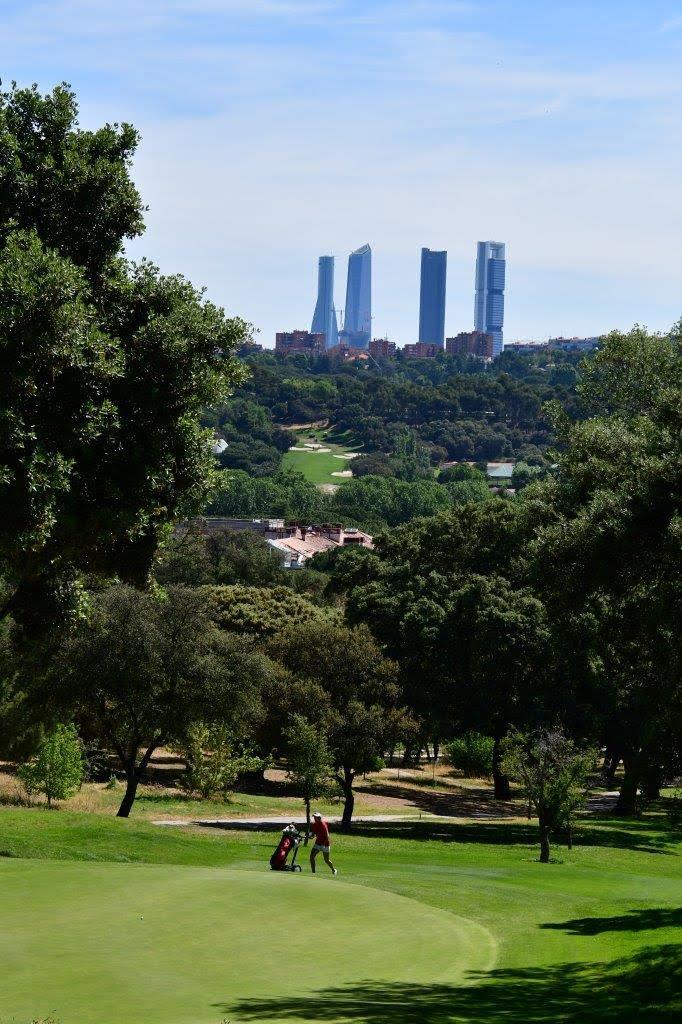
(320, 830)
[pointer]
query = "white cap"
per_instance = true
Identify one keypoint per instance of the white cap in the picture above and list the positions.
(316, 814)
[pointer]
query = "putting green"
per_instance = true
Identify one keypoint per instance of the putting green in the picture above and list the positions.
(141, 944)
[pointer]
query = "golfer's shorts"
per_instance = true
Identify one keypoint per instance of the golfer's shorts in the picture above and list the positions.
(319, 848)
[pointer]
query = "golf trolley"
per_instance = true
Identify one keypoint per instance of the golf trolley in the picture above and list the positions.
(288, 844)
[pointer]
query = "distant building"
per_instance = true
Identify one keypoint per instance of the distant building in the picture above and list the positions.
(296, 342)
(490, 278)
(293, 543)
(347, 352)
(249, 348)
(324, 317)
(305, 541)
(420, 350)
(432, 297)
(357, 323)
(382, 348)
(500, 472)
(471, 343)
(574, 344)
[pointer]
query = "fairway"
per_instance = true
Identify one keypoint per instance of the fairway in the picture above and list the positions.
(320, 466)
(126, 944)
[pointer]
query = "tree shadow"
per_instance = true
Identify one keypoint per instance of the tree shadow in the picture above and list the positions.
(646, 988)
(458, 803)
(485, 833)
(633, 921)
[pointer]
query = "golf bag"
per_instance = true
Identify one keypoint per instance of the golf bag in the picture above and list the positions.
(288, 844)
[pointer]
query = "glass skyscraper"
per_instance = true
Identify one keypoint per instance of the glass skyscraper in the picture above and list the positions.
(489, 309)
(324, 317)
(432, 298)
(357, 324)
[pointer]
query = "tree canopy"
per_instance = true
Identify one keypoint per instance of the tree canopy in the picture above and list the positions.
(106, 364)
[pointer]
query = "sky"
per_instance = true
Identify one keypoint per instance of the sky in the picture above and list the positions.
(276, 131)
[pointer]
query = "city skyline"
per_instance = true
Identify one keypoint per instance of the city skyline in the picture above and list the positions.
(489, 287)
(243, 106)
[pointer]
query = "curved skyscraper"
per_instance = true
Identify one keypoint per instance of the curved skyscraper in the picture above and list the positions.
(324, 317)
(432, 298)
(489, 309)
(357, 324)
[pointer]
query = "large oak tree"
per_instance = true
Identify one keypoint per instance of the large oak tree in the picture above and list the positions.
(105, 364)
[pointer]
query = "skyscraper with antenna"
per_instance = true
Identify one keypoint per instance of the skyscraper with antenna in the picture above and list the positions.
(324, 317)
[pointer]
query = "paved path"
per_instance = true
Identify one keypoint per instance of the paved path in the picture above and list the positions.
(278, 822)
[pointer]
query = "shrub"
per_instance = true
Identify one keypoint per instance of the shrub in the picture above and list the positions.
(214, 762)
(472, 754)
(57, 768)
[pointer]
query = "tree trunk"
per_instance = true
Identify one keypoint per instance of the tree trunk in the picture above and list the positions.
(132, 780)
(627, 798)
(348, 798)
(134, 773)
(544, 844)
(436, 749)
(652, 779)
(500, 781)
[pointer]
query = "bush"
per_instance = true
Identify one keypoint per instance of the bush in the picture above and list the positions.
(214, 762)
(472, 754)
(57, 768)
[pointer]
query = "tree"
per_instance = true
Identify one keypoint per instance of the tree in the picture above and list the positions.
(445, 597)
(554, 775)
(106, 365)
(309, 762)
(57, 768)
(214, 761)
(143, 671)
(260, 612)
(359, 686)
(606, 556)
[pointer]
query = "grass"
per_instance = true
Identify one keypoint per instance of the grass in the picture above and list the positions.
(158, 801)
(427, 923)
(319, 466)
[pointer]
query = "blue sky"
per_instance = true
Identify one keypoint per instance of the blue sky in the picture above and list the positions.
(275, 131)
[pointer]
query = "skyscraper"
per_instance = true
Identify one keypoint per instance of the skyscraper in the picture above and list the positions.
(324, 317)
(357, 324)
(489, 308)
(432, 298)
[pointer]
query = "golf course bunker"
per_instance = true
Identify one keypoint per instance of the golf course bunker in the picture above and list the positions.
(94, 943)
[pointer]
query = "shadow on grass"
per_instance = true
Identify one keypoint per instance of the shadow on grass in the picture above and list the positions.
(457, 802)
(646, 988)
(512, 833)
(486, 833)
(633, 921)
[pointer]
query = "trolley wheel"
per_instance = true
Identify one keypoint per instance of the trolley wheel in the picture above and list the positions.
(297, 867)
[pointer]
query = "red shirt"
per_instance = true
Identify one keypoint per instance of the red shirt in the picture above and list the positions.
(320, 830)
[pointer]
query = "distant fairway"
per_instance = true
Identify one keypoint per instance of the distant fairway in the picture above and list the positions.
(140, 944)
(319, 466)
